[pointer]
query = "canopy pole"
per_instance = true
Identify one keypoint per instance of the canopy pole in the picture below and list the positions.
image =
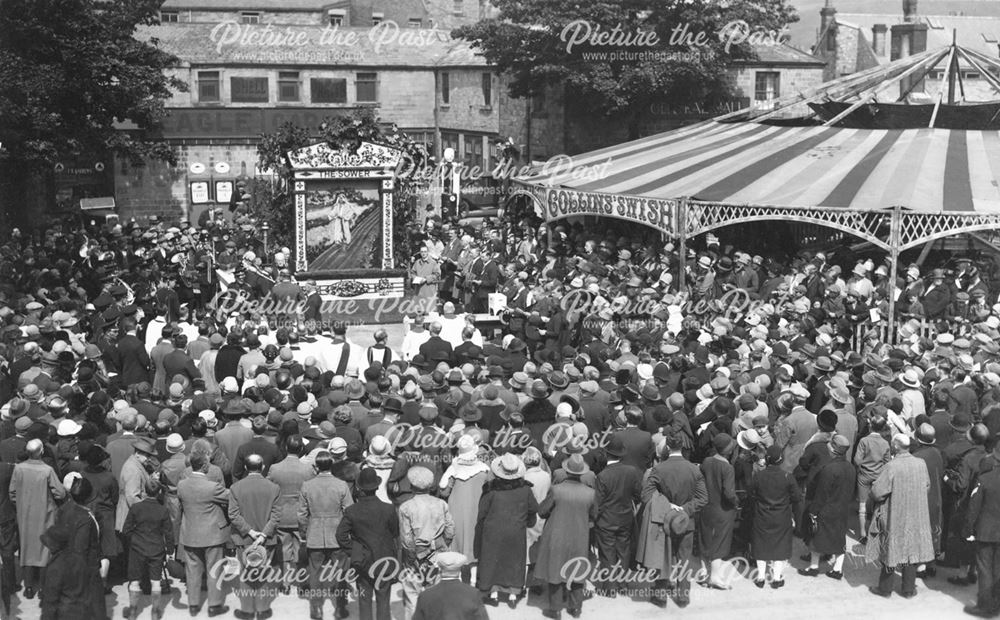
(937, 106)
(894, 228)
(916, 82)
(884, 85)
(952, 69)
(846, 81)
(682, 243)
(994, 82)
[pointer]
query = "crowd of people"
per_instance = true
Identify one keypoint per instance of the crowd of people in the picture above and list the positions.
(621, 429)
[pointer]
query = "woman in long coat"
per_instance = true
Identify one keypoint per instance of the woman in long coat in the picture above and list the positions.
(73, 586)
(462, 485)
(506, 511)
(104, 499)
(830, 501)
(540, 479)
(717, 519)
(776, 499)
(569, 510)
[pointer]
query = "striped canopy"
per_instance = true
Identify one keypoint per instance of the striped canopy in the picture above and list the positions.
(924, 170)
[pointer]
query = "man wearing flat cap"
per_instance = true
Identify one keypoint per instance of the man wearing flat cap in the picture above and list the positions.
(450, 599)
(426, 528)
(133, 477)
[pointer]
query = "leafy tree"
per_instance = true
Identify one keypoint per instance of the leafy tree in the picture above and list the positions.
(528, 41)
(71, 70)
(274, 201)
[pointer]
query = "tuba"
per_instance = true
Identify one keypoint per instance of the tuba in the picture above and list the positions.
(129, 293)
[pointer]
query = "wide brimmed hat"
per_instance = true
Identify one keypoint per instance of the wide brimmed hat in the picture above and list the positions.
(145, 446)
(539, 389)
(910, 378)
(508, 467)
(575, 465)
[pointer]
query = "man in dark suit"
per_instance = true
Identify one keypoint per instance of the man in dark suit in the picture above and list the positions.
(178, 362)
(321, 507)
(618, 490)
(368, 534)
(228, 358)
(487, 283)
(254, 511)
(983, 522)
(450, 599)
(12, 447)
(638, 443)
(130, 356)
(203, 533)
(684, 485)
(468, 351)
(437, 348)
(234, 434)
(260, 446)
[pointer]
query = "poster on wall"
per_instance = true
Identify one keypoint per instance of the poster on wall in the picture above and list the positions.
(343, 225)
(199, 192)
(223, 191)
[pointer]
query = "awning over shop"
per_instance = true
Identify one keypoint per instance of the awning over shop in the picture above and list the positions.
(924, 170)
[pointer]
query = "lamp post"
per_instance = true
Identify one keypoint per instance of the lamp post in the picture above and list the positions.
(265, 227)
(449, 201)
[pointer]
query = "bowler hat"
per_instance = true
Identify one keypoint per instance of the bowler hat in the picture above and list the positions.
(368, 480)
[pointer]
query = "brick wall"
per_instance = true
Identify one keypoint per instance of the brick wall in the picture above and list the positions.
(163, 190)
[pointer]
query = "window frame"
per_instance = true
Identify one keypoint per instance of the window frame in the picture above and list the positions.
(486, 84)
(174, 15)
(358, 81)
(445, 88)
(340, 15)
(415, 22)
(476, 152)
(233, 91)
(250, 18)
(284, 80)
(201, 80)
(757, 85)
(313, 82)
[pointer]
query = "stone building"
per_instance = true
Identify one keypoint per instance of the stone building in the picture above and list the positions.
(856, 41)
(253, 69)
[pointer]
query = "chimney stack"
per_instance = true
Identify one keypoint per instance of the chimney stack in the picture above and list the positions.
(826, 16)
(910, 11)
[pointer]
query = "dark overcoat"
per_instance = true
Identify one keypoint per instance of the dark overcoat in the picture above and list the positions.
(776, 498)
(506, 510)
(931, 457)
(830, 499)
(73, 586)
(569, 510)
(103, 504)
(717, 519)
